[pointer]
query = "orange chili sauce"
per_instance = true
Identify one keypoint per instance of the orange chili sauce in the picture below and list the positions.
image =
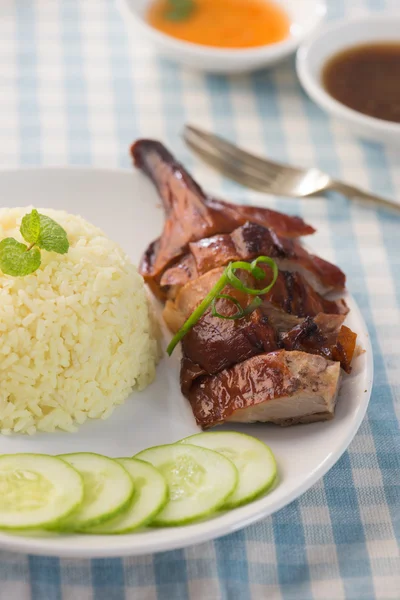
(225, 23)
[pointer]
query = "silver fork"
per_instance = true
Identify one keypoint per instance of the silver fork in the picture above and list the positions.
(266, 175)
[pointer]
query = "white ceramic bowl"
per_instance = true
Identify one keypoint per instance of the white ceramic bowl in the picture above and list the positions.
(314, 53)
(305, 16)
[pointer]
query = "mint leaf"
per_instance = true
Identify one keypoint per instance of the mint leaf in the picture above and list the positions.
(16, 260)
(30, 227)
(52, 237)
(179, 10)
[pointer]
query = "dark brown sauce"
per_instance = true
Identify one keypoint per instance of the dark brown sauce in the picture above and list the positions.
(367, 79)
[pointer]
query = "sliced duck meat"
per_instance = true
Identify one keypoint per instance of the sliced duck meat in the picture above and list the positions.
(324, 335)
(280, 387)
(285, 225)
(191, 215)
(177, 311)
(217, 343)
(278, 360)
(291, 293)
(248, 242)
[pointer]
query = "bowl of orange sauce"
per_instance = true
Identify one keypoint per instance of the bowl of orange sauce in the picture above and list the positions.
(224, 36)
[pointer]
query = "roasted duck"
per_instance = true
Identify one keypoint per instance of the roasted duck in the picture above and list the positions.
(245, 243)
(277, 360)
(191, 215)
(280, 387)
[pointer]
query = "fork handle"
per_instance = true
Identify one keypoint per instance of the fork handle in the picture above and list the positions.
(354, 192)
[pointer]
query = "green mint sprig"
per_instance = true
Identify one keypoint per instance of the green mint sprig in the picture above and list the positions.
(41, 233)
(179, 10)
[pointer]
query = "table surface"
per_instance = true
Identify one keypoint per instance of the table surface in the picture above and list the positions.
(77, 88)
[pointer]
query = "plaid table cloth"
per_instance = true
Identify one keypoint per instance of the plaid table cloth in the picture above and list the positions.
(76, 87)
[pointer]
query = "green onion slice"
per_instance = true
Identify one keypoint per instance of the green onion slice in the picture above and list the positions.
(252, 307)
(238, 315)
(255, 271)
(197, 313)
(241, 312)
(214, 294)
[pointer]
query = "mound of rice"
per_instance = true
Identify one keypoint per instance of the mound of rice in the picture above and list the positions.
(76, 336)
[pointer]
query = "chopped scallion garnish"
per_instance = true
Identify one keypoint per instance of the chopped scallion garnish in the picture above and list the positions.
(229, 277)
(241, 312)
(257, 273)
(238, 315)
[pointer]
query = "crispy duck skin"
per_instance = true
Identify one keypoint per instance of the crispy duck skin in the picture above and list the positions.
(191, 215)
(280, 387)
(290, 293)
(217, 344)
(248, 242)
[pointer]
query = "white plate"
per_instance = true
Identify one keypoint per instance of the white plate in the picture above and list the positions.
(126, 207)
(316, 51)
(305, 16)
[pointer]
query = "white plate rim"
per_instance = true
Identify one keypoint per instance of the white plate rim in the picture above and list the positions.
(225, 524)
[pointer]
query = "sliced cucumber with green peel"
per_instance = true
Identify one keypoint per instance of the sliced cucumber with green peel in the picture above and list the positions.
(253, 459)
(151, 495)
(199, 481)
(37, 490)
(108, 489)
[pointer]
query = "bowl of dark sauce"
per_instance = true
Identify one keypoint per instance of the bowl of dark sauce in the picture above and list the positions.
(351, 69)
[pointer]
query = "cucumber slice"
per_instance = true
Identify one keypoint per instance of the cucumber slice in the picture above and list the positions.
(199, 481)
(253, 459)
(36, 490)
(108, 490)
(151, 495)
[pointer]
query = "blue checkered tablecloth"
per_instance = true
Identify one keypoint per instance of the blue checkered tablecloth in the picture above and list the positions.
(77, 88)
